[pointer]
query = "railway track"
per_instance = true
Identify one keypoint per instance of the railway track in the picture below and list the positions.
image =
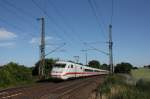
(73, 89)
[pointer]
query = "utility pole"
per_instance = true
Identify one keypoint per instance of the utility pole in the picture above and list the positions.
(42, 49)
(110, 50)
(85, 55)
(76, 59)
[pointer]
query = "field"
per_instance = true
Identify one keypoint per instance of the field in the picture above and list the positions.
(141, 74)
(117, 86)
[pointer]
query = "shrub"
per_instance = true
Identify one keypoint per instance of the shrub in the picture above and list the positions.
(48, 66)
(123, 68)
(14, 74)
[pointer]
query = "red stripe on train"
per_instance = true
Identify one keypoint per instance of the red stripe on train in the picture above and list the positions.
(70, 73)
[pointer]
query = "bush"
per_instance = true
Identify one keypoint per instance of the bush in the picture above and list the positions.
(109, 82)
(14, 74)
(143, 85)
(123, 68)
(48, 66)
(94, 64)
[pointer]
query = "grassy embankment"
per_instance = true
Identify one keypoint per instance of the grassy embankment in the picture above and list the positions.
(141, 74)
(134, 86)
(12, 75)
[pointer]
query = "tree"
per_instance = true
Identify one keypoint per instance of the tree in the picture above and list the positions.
(135, 68)
(94, 64)
(13, 74)
(123, 68)
(105, 67)
(48, 66)
(147, 66)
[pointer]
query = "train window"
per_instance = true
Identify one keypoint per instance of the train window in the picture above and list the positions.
(88, 70)
(81, 67)
(96, 71)
(60, 65)
(71, 66)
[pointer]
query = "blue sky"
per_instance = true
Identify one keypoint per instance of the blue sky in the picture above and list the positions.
(73, 22)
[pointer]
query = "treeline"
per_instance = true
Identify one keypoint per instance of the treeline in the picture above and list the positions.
(13, 74)
(147, 66)
(123, 67)
(97, 64)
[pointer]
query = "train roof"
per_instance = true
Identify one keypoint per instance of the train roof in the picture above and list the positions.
(64, 62)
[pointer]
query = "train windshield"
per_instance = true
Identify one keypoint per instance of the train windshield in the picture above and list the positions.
(60, 65)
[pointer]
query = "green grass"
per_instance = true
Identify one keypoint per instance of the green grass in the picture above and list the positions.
(116, 87)
(141, 74)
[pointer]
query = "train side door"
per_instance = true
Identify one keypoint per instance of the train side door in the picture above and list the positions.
(73, 69)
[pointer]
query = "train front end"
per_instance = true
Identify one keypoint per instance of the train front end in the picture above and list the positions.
(58, 70)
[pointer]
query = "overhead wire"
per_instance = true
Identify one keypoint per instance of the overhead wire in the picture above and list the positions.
(59, 47)
(12, 25)
(23, 19)
(29, 15)
(96, 16)
(51, 18)
(112, 12)
(95, 42)
(17, 28)
(99, 13)
(93, 48)
(56, 24)
(45, 13)
(93, 5)
(66, 23)
(70, 27)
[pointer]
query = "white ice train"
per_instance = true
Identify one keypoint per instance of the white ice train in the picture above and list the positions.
(65, 70)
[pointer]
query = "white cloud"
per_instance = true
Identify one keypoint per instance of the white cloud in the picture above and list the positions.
(6, 35)
(48, 38)
(7, 44)
(36, 40)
